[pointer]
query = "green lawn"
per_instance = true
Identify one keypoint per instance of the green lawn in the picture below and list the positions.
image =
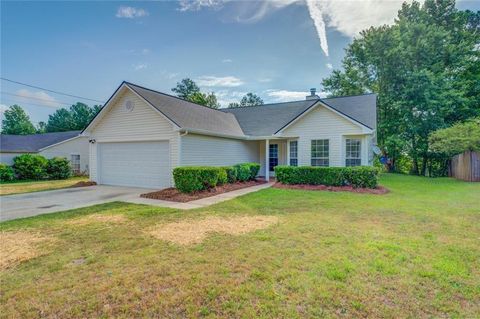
(18, 187)
(413, 253)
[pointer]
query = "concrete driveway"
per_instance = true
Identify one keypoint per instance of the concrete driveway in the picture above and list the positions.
(32, 204)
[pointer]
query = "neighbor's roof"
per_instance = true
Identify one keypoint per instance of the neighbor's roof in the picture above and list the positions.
(189, 115)
(34, 142)
(268, 119)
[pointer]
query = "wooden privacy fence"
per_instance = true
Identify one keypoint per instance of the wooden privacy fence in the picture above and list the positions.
(466, 166)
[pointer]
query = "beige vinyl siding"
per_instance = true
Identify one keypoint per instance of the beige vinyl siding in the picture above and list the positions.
(77, 145)
(143, 123)
(216, 151)
(7, 158)
(322, 123)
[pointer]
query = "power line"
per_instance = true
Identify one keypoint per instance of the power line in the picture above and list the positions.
(33, 98)
(48, 90)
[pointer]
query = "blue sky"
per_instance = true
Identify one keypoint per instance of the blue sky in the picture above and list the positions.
(277, 49)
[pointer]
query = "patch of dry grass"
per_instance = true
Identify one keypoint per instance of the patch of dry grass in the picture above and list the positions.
(19, 246)
(36, 186)
(189, 232)
(96, 218)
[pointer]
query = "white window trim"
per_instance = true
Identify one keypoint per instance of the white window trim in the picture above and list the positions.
(360, 139)
(79, 162)
(329, 155)
(288, 151)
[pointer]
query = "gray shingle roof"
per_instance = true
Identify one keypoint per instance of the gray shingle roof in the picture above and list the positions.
(189, 115)
(34, 142)
(362, 108)
(264, 120)
(267, 119)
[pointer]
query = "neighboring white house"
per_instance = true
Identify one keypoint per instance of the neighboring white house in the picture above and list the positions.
(58, 144)
(140, 135)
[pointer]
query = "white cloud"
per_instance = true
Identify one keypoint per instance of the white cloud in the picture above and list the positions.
(195, 5)
(38, 97)
(227, 61)
(264, 80)
(131, 12)
(347, 17)
(329, 65)
(225, 97)
(285, 95)
(140, 66)
(219, 81)
(3, 108)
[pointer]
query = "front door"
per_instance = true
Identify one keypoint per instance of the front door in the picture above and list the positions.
(272, 156)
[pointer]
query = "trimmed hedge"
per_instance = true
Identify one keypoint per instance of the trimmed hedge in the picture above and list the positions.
(190, 179)
(246, 171)
(30, 166)
(358, 177)
(59, 168)
(231, 174)
(242, 172)
(6, 173)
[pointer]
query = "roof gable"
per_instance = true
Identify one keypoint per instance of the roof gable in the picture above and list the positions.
(188, 115)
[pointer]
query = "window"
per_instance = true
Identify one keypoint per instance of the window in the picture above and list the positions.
(293, 153)
(320, 153)
(353, 152)
(272, 156)
(75, 162)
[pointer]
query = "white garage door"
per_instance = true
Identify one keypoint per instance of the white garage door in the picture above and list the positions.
(139, 164)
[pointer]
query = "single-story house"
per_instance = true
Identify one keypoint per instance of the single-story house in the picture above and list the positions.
(140, 135)
(70, 145)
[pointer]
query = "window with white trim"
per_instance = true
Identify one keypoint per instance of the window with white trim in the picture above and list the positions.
(75, 163)
(320, 153)
(353, 152)
(272, 156)
(293, 153)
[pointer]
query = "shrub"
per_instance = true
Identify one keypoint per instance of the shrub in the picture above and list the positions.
(230, 171)
(196, 178)
(242, 172)
(254, 168)
(28, 166)
(6, 173)
(361, 176)
(222, 176)
(59, 168)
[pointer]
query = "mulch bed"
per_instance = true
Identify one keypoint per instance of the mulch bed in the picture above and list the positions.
(172, 194)
(84, 184)
(380, 190)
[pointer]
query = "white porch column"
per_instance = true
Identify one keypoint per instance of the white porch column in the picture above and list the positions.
(267, 162)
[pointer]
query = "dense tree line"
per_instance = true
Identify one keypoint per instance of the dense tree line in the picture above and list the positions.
(425, 69)
(77, 117)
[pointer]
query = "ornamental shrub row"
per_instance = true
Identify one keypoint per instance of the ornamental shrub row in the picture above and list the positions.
(35, 167)
(190, 179)
(358, 177)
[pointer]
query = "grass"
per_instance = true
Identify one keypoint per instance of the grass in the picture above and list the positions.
(19, 187)
(412, 253)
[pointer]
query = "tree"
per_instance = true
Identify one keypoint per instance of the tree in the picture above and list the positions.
(208, 99)
(249, 99)
(41, 127)
(76, 117)
(188, 90)
(457, 139)
(424, 69)
(17, 122)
